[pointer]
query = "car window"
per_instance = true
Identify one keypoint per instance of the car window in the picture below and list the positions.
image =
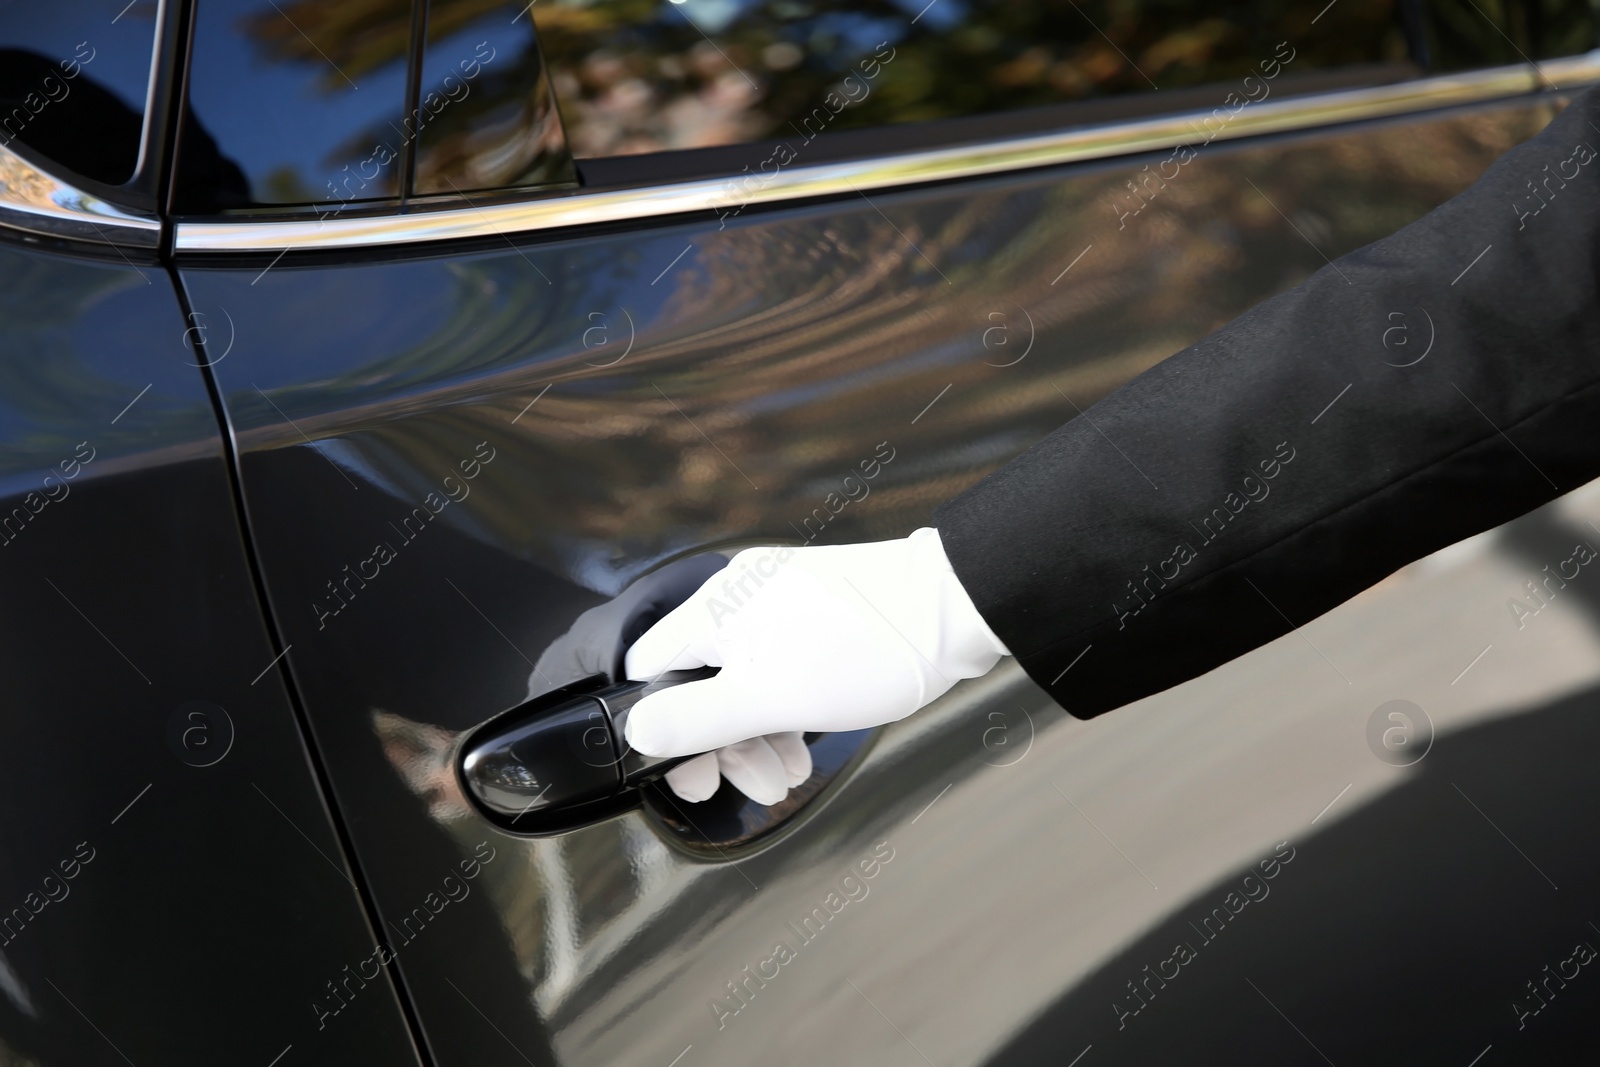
(1460, 36)
(302, 102)
(293, 102)
(636, 77)
(75, 80)
(484, 118)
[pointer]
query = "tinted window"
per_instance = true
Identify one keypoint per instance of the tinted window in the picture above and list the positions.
(1462, 34)
(74, 78)
(294, 102)
(643, 77)
(485, 118)
(298, 102)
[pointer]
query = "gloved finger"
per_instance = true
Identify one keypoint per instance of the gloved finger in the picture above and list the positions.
(682, 639)
(754, 769)
(696, 779)
(694, 717)
(793, 752)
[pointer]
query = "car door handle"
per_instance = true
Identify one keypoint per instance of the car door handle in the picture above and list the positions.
(562, 759)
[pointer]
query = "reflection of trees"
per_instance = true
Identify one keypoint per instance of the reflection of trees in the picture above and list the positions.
(356, 36)
(637, 76)
(796, 348)
(1492, 32)
(504, 131)
(335, 46)
(797, 344)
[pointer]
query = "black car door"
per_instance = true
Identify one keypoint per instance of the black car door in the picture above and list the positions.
(482, 388)
(171, 881)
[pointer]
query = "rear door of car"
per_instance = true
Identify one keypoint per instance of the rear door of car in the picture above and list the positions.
(796, 274)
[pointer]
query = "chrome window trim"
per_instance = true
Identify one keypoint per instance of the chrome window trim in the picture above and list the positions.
(36, 202)
(39, 203)
(910, 168)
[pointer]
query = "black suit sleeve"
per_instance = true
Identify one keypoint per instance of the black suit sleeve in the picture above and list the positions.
(1256, 506)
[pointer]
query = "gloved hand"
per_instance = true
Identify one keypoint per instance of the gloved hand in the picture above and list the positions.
(821, 638)
(762, 768)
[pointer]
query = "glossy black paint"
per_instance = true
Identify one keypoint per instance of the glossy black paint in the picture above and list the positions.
(152, 750)
(569, 415)
(449, 457)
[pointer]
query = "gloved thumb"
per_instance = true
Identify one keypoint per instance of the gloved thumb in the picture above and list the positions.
(694, 717)
(681, 640)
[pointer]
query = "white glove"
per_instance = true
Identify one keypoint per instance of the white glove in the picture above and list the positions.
(821, 638)
(762, 768)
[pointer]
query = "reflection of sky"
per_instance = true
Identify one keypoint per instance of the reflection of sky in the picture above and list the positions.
(511, 41)
(939, 15)
(266, 115)
(857, 33)
(711, 16)
(122, 48)
(862, 29)
(834, 36)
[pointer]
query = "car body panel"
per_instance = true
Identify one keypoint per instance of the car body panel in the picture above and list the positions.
(557, 417)
(172, 880)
